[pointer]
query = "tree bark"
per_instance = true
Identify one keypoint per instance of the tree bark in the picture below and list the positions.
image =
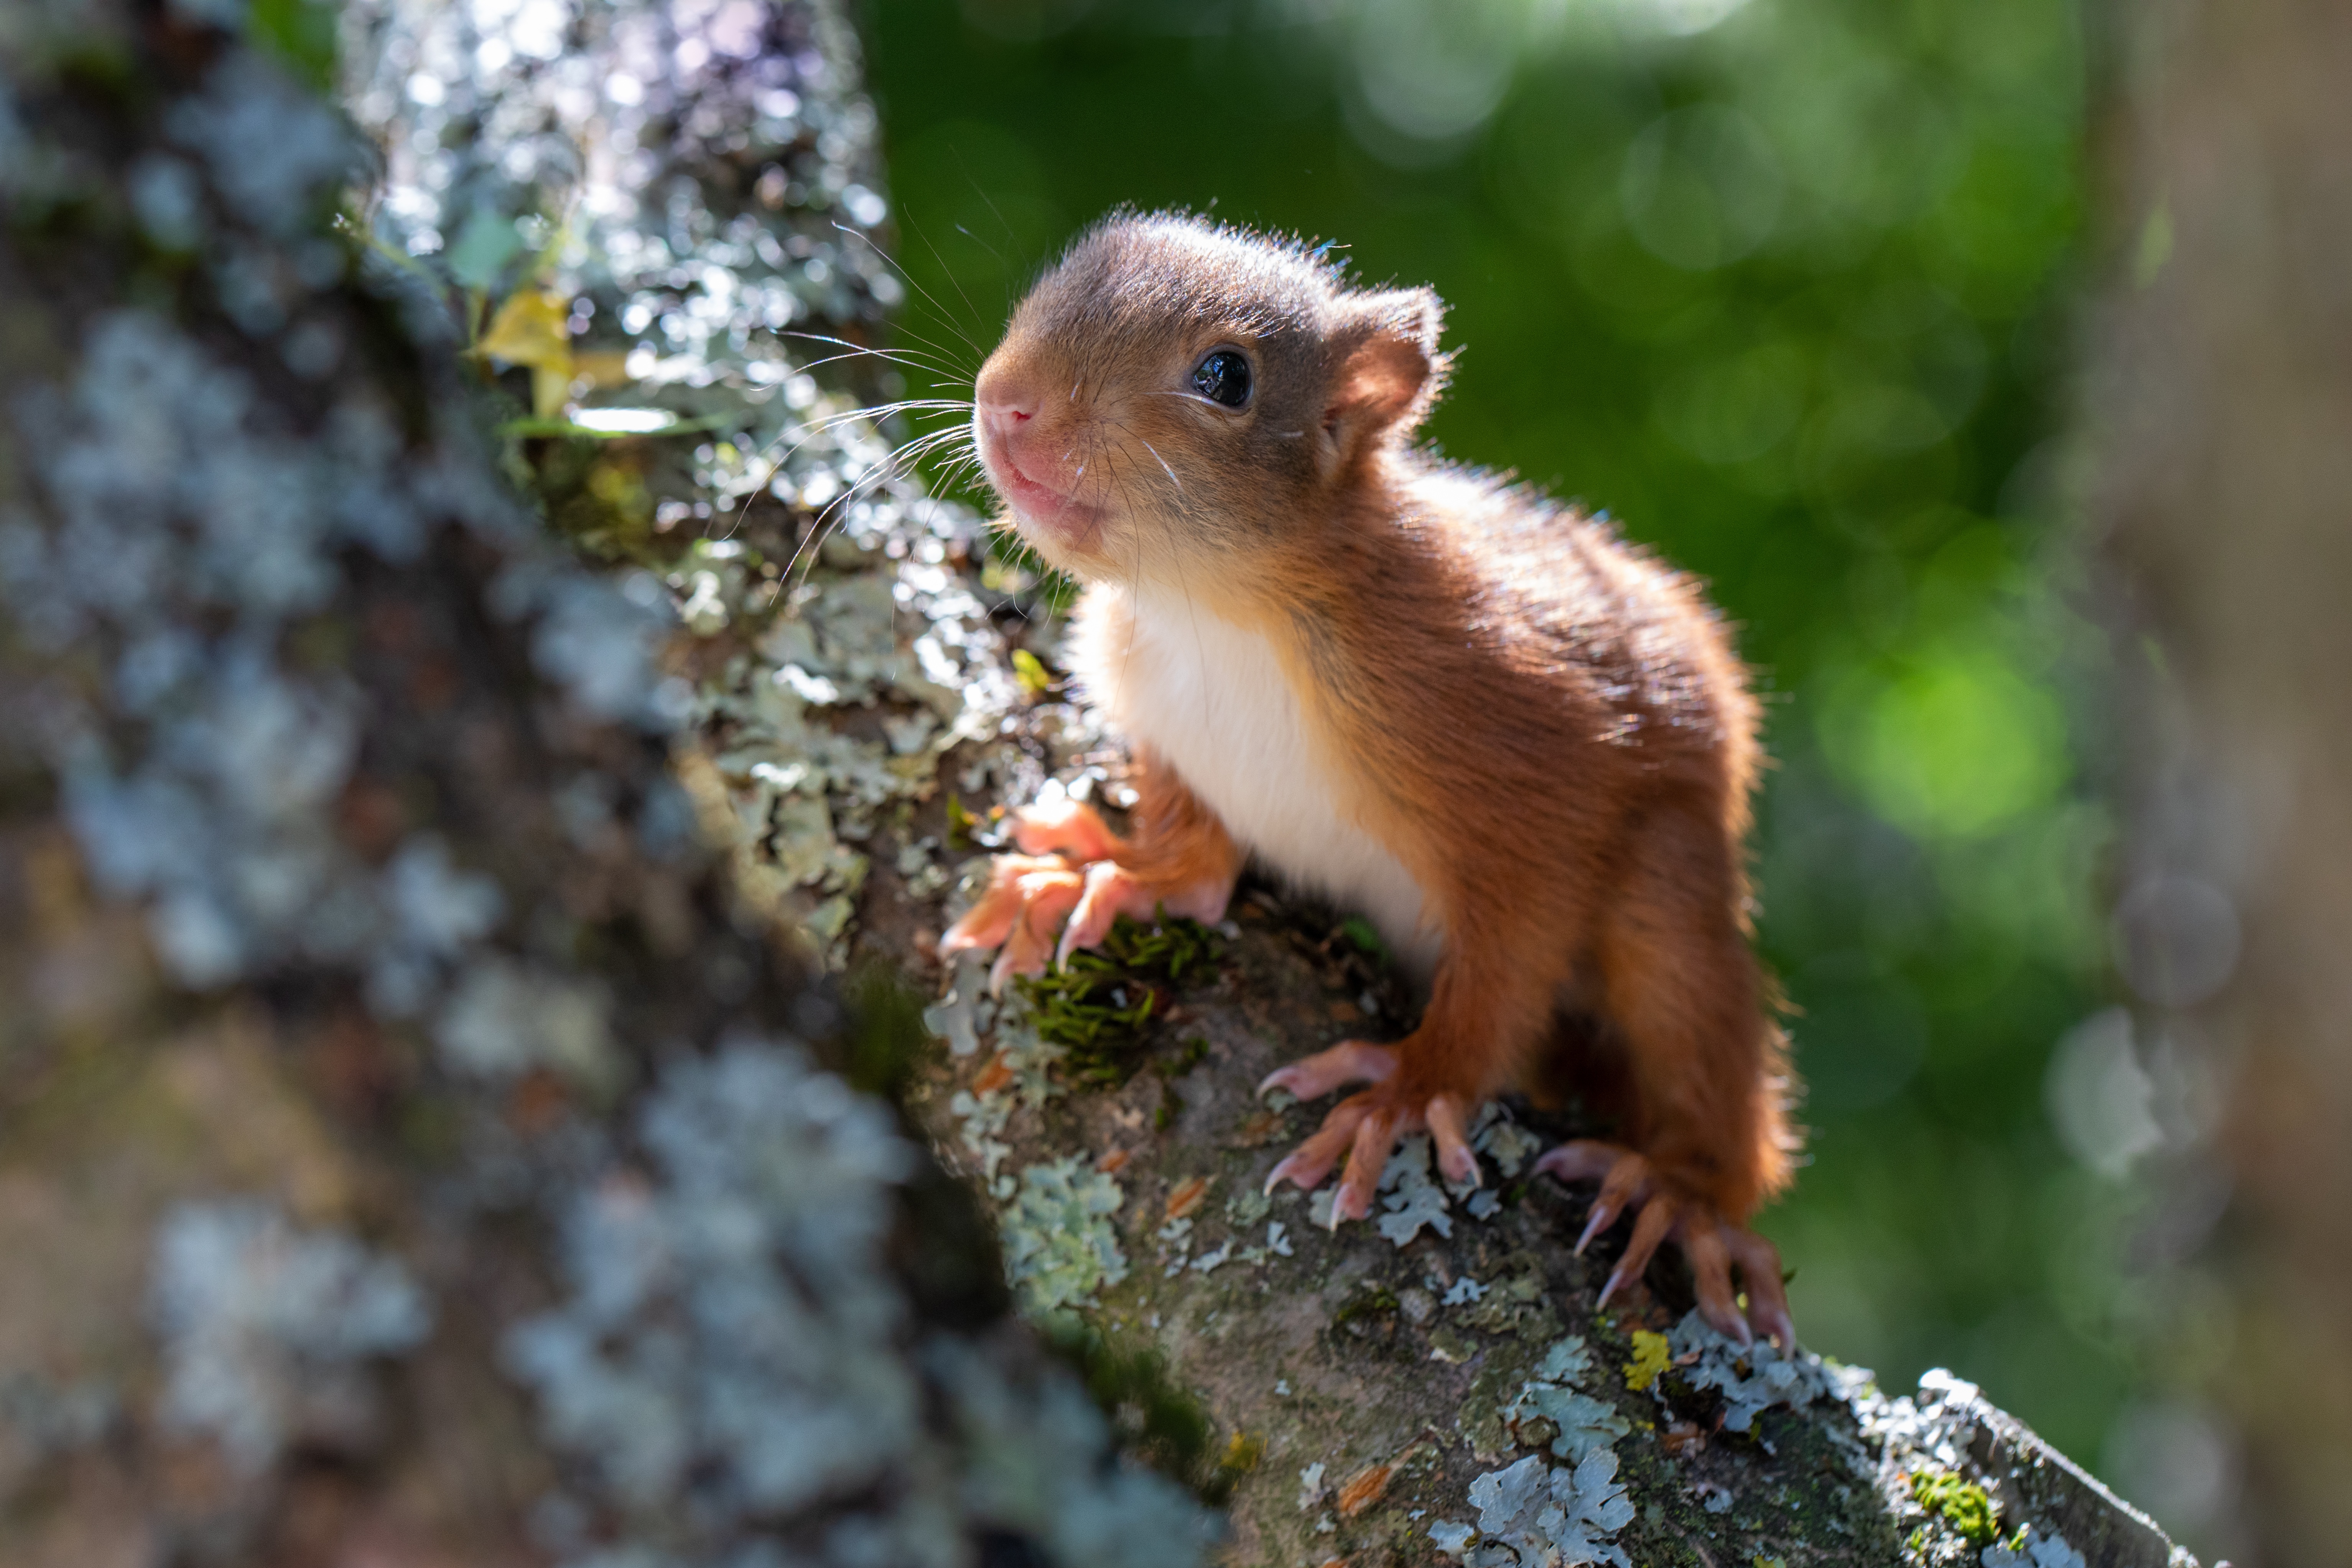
(2221, 393)
(414, 1154)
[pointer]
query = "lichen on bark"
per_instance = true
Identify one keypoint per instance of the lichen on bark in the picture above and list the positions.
(399, 1103)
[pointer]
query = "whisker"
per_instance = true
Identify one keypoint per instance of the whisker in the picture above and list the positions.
(958, 474)
(879, 411)
(936, 365)
(814, 428)
(810, 430)
(910, 277)
(944, 267)
(897, 359)
(984, 196)
(947, 352)
(979, 242)
(897, 464)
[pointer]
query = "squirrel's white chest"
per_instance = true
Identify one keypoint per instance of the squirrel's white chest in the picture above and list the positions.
(1211, 699)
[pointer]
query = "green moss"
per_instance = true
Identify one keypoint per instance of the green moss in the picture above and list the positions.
(1158, 1421)
(1377, 1301)
(1097, 1006)
(1367, 939)
(1962, 1504)
(886, 1035)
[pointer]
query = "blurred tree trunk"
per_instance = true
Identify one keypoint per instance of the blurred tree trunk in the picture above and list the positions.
(2222, 395)
(409, 1152)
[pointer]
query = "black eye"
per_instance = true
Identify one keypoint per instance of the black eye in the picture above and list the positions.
(1224, 377)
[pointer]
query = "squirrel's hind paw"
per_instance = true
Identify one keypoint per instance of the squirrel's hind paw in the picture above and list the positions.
(1365, 1127)
(1712, 1244)
(1350, 1061)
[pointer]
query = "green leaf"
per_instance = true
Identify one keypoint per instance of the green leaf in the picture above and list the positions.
(483, 247)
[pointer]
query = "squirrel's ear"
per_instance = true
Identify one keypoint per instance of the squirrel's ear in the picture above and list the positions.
(1389, 370)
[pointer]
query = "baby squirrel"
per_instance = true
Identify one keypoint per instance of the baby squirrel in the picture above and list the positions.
(1522, 747)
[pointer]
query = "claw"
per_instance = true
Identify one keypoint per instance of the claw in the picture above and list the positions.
(1376, 1134)
(1768, 1298)
(1713, 1245)
(1626, 1181)
(1368, 1124)
(1027, 945)
(1110, 891)
(1710, 1261)
(1605, 1215)
(1350, 1061)
(1658, 1217)
(1023, 891)
(1456, 1160)
(1306, 1165)
(1608, 1287)
(1581, 1160)
(1778, 1327)
(1000, 906)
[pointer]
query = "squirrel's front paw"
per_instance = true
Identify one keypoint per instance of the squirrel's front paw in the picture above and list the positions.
(1064, 827)
(1067, 878)
(1030, 897)
(1024, 905)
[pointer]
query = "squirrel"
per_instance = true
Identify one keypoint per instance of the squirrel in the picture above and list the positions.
(1519, 745)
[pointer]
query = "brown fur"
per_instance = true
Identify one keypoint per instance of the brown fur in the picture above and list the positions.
(1546, 725)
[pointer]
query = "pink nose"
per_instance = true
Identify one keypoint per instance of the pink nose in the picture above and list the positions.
(1005, 407)
(1004, 423)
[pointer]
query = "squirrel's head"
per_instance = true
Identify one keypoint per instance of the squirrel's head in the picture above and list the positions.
(1175, 399)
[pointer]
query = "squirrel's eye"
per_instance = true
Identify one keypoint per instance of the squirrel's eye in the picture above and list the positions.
(1224, 377)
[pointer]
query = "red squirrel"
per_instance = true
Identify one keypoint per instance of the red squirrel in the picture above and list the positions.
(1523, 748)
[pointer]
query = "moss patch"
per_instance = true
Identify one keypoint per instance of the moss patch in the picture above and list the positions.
(1962, 1504)
(1097, 1004)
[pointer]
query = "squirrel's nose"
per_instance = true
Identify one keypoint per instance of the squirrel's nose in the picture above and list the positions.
(1006, 403)
(1004, 419)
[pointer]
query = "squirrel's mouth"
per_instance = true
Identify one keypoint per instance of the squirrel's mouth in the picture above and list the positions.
(1061, 517)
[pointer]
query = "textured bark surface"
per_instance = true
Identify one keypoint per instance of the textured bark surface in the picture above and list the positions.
(2222, 393)
(412, 1151)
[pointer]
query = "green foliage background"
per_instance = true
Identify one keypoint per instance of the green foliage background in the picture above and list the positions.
(1786, 293)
